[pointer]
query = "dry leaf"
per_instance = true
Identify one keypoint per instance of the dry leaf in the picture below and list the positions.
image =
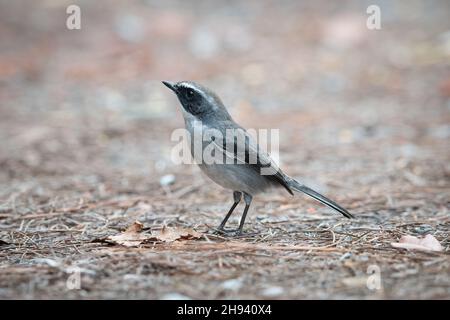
(171, 234)
(136, 227)
(131, 237)
(429, 243)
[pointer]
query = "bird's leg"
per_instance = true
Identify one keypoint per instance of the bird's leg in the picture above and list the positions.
(237, 198)
(248, 201)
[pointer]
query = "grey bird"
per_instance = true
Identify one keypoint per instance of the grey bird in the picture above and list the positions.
(243, 163)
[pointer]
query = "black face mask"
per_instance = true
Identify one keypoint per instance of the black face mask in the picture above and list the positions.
(192, 101)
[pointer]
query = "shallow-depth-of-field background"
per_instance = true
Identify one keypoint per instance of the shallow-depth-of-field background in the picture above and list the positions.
(85, 138)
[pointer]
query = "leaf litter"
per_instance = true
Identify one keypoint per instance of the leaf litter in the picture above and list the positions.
(134, 236)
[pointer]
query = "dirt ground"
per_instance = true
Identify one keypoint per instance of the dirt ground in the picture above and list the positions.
(85, 133)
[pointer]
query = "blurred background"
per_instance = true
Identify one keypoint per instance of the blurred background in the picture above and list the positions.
(364, 116)
(82, 101)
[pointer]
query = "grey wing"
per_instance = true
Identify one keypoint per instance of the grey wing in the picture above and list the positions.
(240, 148)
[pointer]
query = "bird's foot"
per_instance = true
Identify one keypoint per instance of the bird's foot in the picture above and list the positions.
(234, 233)
(225, 232)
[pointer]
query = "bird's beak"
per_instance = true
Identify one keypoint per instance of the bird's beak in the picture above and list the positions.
(170, 85)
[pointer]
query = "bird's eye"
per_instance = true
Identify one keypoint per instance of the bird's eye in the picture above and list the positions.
(190, 93)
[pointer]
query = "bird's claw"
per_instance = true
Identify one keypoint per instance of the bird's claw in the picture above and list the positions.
(233, 233)
(225, 232)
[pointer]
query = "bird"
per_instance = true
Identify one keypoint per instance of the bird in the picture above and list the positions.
(245, 169)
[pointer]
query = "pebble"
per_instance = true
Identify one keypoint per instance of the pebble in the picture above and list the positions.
(273, 291)
(232, 284)
(422, 229)
(49, 262)
(175, 296)
(345, 256)
(167, 179)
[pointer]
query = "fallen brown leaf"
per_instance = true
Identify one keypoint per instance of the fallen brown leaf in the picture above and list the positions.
(429, 243)
(133, 235)
(167, 234)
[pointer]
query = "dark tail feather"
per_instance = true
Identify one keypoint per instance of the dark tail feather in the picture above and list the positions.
(310, 192)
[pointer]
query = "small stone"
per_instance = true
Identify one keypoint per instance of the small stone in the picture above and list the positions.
(175, 296)
(132, 277)
(49, 262)
(345, 256)
(232, 284)
(422, 229)
(273, 291)
(166, 180)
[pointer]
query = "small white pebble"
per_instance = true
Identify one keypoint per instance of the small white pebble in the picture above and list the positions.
(345, 256)
(49, 262)
(273, 291)
(166, 180)
(131, 277)
(175, 296)
(232, 284)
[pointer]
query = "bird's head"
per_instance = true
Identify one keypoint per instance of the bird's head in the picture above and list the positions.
(197, 100)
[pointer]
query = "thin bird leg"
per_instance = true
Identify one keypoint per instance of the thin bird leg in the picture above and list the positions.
(248, 201)
(237, 198)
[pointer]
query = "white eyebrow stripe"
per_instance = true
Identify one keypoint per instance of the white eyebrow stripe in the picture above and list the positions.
(190, 86)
